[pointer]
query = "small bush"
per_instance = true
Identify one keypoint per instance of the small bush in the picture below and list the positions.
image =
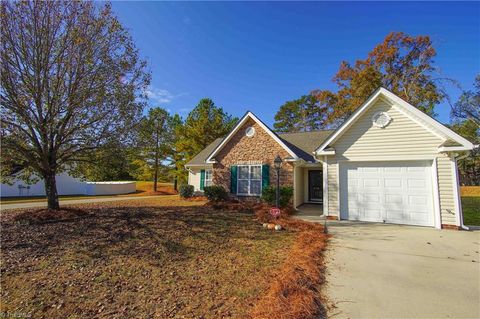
(215, 193)
(186, 191)
(269, 194)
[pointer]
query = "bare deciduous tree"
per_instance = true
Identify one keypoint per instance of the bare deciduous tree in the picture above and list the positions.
(71, 77)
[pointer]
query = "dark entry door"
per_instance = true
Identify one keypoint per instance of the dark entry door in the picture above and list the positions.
(315, 186)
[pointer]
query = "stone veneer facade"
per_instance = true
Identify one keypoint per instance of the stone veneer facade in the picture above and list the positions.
(261, 148)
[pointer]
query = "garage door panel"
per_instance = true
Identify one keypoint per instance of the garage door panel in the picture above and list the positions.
(417, 200)
(396, 215)
(372, 198)
(417, 183)
(393, 199)
(393, 182)
(392, 192)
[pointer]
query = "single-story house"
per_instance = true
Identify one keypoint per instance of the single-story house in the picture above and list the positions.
(388, 162)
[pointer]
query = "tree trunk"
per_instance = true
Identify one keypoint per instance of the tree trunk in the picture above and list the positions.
(51, 190)
(175, 183)
(155, 175)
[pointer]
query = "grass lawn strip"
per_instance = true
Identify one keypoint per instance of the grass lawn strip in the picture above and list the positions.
(471, 205)
(121, 260)
(471, 210)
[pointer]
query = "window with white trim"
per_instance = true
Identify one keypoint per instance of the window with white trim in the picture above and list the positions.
(208, 177)
(249, 180)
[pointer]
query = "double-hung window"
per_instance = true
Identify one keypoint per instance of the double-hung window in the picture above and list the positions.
(249, 180)
(208, 177)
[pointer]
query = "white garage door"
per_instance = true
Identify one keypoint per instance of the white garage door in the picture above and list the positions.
(390, 192)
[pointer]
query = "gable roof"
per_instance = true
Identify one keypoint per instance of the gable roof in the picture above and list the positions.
(415, 114)
(305, 143)
(199, 159)
(302, 143)
(249, 115)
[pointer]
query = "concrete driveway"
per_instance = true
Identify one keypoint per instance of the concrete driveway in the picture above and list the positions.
(392, 271)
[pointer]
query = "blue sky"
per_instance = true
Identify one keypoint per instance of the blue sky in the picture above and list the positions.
(257, 55)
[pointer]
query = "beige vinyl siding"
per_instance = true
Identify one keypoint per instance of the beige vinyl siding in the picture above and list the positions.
(333, 204)
(194, 177)
(403, 137)
(446, 189)
(298, 186)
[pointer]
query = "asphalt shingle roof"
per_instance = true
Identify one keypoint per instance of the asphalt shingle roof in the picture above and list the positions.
(305, 143)
(302, 144)
(201, 157)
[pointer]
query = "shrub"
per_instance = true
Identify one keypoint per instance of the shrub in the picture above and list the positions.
(215, 193)
(186, 191)
(269, 194)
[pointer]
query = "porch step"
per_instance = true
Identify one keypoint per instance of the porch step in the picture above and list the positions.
(310, 218)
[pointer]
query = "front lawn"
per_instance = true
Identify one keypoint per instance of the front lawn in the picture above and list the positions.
(471, 205)
(471, 210)
(170, 259)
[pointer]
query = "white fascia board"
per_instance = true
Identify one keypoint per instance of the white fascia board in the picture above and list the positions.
(325, 152)
(199, 165)
(238, 126)
(425, 119)
(453, 149)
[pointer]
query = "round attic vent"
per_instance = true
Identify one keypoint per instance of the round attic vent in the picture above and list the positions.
(250, 131)
(381, 119)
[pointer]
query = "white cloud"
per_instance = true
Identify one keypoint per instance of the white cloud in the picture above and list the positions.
(162, 96)
(159, 95)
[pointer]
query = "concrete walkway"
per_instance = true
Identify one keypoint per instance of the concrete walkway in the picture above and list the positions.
(310, 213)
(90, 200)
(393, 271)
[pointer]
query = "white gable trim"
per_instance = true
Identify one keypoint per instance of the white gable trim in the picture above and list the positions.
(210, 158)
(425, 120)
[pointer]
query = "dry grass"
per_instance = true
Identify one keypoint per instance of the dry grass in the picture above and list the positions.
(146, 188)
(154, 258)
(294, 291)
(467, 191)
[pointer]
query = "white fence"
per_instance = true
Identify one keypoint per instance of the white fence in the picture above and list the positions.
(109, 188)
(68, 185)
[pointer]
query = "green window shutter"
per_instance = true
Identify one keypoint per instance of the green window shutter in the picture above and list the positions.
(265, 175)
(202, 179)
(233, 179)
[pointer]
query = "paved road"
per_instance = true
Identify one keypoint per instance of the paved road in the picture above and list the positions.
(392, 271)
(77, 201)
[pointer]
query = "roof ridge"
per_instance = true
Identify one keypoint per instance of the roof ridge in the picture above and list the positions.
(313, 131)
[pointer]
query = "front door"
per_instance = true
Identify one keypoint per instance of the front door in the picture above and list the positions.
(315, 186)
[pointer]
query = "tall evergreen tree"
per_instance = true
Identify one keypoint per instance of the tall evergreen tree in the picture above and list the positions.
(205, 123)
(176, 156)
(300, 115)
(155, 136)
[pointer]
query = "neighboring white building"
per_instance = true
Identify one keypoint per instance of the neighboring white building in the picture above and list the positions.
(68, 185)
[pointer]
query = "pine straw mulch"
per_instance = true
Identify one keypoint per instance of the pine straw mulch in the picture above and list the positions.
(295, 291)
(295, 287)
